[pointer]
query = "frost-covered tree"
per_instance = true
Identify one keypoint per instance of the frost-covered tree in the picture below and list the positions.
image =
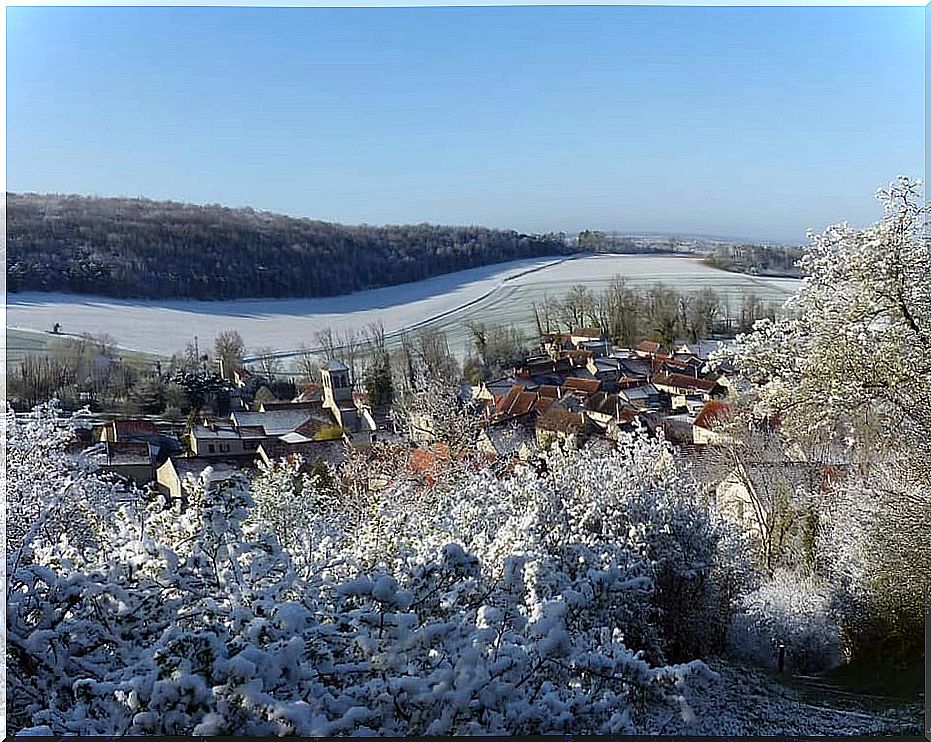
(434, 411)
(541, 603)
(853, 352)
(303, 509)
(874, 543)
(50, 493)
(794, 611)
(848, 369)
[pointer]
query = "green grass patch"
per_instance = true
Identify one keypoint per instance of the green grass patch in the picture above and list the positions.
(904, 680)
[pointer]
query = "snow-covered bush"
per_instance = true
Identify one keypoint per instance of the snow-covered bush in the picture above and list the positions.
(847, 376)
(874, 545)
(535, 604)
(794, 610)
(49, 491)
(303, 509)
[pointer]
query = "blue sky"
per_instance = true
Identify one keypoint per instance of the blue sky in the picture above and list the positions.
(737, 121)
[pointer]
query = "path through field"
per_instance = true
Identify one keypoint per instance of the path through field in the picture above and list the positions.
(502, 293)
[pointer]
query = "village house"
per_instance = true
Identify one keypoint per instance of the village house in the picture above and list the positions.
(133, 461)
(610, 411)
(491, 390)
(176, 471)
(519, 403)
(702, 349)
(158, 436)
(126, 431)
(561, 425)
(591, 339)
(642, 397)
(683, 385)
(650, 349)
(709, 423)
(221, 440)
(607, 370)
(580, 388)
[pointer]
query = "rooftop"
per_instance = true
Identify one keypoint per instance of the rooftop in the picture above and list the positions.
(588, 386)
(195, 465)
(682, 381)
(126, 454)
(276, 422)
(134, 427)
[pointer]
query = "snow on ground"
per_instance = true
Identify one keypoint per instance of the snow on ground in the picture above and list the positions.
(746, 701)
(497, 293)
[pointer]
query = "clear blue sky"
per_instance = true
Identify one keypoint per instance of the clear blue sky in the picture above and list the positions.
(747, 122)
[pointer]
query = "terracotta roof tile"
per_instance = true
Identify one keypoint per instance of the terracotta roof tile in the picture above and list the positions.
(588, 332)
(504, 402)
(543, 404)
(682, 381)
(589, 386)
(522, 404)
(713, 414)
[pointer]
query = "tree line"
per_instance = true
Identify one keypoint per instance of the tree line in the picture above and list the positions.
(757, 260)
(136, 248)
(629, 314)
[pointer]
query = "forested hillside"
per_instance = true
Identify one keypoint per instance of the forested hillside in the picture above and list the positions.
(149, 249)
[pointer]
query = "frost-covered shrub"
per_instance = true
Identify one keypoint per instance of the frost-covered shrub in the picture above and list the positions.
(528, 605)
(874, 546)
(792, 609)
(49, 491)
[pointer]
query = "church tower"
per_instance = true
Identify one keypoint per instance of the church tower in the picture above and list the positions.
(337, 386)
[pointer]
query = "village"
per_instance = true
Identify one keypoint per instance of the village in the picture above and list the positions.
(579, 389)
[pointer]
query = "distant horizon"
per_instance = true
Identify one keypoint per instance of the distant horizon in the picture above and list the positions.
(755, 122)
(619, 232)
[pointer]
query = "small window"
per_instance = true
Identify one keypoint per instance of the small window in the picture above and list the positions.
(210, 448)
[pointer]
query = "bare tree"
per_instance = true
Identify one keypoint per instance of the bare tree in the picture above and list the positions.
(229, 350)
(327, 343)
(770, 490)
(307, 364)
(269, 365)
(576, 307)
(432, 352)
(350, 348)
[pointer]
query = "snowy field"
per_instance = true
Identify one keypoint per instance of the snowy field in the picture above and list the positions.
(497, 293)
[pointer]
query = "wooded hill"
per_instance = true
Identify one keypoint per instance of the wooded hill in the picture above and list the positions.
(136, 248)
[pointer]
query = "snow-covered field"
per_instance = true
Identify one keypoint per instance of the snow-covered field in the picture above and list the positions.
(498, 293)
